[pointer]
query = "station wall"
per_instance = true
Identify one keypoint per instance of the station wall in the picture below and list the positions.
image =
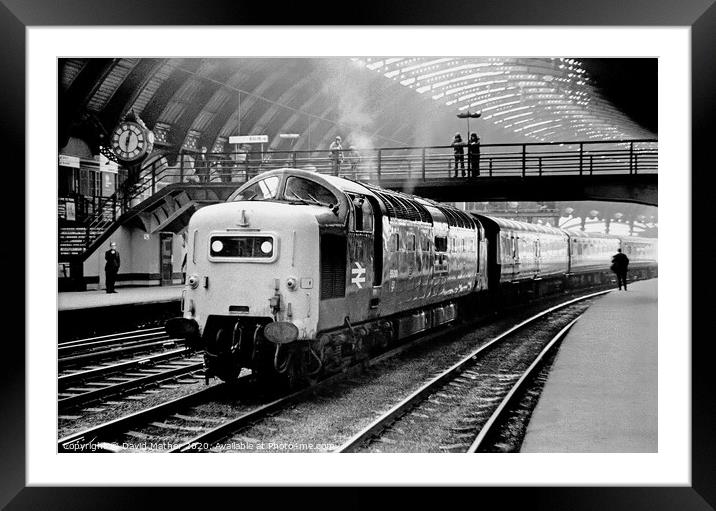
(140, 259)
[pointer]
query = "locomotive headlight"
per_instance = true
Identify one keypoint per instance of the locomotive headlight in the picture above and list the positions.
(266, 247)
(217, 246)
(292, 284)
(193, 280)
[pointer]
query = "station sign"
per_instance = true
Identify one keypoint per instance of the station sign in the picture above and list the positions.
(69, 161)
(248, 139)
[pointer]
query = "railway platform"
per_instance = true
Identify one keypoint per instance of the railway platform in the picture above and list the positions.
(601, 393)
(91, 313)
(73, 300)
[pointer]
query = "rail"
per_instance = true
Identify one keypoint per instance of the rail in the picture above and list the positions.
(435, 162)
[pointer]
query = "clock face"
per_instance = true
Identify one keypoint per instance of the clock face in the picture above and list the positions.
(129, 141)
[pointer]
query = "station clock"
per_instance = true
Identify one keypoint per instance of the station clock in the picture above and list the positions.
(131, 141)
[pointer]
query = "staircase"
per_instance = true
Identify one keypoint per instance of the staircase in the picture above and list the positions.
(167, 211)
(112, 209)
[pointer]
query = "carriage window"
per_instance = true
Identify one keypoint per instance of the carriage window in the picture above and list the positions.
(305, 190)
(261, 190)
(441, 244)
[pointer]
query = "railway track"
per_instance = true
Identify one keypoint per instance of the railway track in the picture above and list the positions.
(460, 409)
(198, 421)
(488, 438)
(83, 354)
(120, 435)
(86, 387)
(204, 419)
(105, 341)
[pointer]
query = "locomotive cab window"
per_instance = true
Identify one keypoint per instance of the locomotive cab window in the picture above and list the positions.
(410, 242)
(308, 191)
(441, 244)
(261, 190)
(362, 214)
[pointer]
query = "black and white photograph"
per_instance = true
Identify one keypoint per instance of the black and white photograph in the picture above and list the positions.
(361, 254)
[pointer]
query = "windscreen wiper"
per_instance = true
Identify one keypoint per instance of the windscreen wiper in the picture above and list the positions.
(316, 202)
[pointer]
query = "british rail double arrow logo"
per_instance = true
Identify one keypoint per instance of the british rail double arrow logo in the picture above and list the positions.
(358, 275)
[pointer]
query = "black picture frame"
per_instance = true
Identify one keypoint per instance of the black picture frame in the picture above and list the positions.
(700, 15)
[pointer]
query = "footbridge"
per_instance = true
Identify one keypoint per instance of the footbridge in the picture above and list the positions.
(621, 170)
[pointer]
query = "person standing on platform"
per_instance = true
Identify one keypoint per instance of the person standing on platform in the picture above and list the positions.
(620, 266)
(473, 153)
(336, 155)
(111, 267)
(458, 147)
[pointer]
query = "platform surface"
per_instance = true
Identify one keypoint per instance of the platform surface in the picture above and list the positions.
(124, 296)
(601, 394)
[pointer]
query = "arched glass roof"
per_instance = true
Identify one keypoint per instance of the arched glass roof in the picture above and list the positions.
(551, 99)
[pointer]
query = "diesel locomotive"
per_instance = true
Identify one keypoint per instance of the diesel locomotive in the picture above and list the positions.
(298, 275)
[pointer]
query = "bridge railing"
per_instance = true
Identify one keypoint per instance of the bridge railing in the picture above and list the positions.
(435, 162)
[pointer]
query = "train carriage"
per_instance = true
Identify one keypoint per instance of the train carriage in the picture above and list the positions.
(640, 251)
(527, 251)
(589, 251)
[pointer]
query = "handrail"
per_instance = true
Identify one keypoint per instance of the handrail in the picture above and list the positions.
(502, 144)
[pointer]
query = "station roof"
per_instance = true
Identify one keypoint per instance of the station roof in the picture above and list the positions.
(545, 99)
(389, 102)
